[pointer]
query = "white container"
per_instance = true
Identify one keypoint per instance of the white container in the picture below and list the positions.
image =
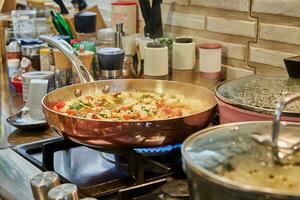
(12, 66)
(156, 60)
(142, 44)
(184, 54)
(210, 55)
(128, 44)
(28, 76)
(124, 12)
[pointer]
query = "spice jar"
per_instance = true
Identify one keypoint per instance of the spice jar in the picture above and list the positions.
(124, 12)
(32, 52)
(46, 59)
(183, 53)
(63, 72)
(210, 60)
(105, 38)
(156, 60)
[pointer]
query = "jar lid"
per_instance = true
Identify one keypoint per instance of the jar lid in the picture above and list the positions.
(124, 3)
(110, 51)
(85, 22)
(210, 46)
(155, 45)
(184, 40)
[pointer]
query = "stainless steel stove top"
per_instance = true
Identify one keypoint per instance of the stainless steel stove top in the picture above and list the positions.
(96, 173)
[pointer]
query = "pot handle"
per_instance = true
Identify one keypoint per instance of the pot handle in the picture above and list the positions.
(66, 49)
(278, 113)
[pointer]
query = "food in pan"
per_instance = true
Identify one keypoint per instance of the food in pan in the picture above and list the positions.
(131, 105)
(262, 174)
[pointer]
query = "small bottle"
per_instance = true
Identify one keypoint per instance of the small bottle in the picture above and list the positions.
(119, 34)
(46, 59)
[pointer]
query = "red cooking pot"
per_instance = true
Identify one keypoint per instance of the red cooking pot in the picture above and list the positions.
(253, 98)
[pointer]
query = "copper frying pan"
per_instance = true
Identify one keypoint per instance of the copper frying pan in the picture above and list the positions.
(124, 134)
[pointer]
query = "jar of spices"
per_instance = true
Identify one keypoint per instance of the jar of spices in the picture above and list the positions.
(105, 38)
(46, 59)
(32, 52)
(210, 55)
(124, 12)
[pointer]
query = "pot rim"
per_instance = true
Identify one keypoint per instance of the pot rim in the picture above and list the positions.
(222, 181)
(249, 107)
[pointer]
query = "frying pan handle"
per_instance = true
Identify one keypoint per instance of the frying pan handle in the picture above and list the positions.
(278, 113)
(66, 49)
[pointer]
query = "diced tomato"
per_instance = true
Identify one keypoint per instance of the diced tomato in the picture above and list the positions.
(70, 112)
(177, 112)
(126, 117)
(167, 110)
(55, 109)
(60, 105)
(159, 104)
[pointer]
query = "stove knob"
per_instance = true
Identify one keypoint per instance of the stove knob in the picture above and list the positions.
(65, 191)
(42, 183)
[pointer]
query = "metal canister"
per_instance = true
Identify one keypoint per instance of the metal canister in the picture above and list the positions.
(42, 183)
(32, 52)
(65, 191)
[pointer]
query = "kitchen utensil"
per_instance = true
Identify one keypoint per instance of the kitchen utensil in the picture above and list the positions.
(17, 82)
(28, 76)
(105, 38)
(156, 60)
(42, 183)
(184, 53)
(238, 161)
(292, 65)
(24, 23)
(124, 12)
(152, 18)
(253, 98)
(30, 116)
(32, 52)
(63, 9)
(124, 134)
(119, 35)
(210, 55)
(85, 22)
(60, 24)
(111, 62)
(79, 4)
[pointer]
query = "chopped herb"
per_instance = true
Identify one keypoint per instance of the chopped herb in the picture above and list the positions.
(75, 106)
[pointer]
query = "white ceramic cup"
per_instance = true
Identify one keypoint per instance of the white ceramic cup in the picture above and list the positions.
(156, 60)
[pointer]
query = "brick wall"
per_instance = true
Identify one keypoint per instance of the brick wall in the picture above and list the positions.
(254, 33)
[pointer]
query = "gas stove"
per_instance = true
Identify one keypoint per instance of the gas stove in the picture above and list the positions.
(140, 174)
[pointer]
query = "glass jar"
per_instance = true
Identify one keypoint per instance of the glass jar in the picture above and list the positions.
(105, 38)
(32, 52)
